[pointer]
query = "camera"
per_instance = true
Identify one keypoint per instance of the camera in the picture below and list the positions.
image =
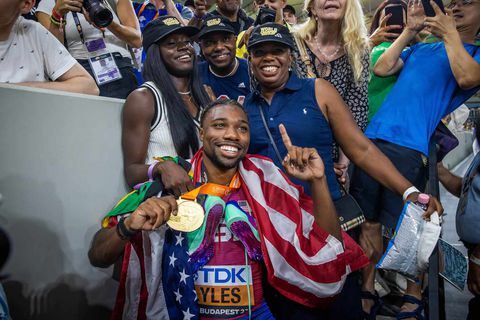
(100, 15)
(265, 15)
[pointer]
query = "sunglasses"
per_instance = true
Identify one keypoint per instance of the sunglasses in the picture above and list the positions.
(453, 3)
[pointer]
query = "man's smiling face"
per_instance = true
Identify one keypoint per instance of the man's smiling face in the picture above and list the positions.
(225, 135)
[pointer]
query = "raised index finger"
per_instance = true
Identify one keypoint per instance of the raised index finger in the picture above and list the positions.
(436, 8)
(285, 138)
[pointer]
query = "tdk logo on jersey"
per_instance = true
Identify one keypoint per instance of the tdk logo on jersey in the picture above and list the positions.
(221, 288)
(223, 275)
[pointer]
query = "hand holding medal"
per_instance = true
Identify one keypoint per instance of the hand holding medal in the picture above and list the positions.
(190, 214)
(184, 214)
(152, 213)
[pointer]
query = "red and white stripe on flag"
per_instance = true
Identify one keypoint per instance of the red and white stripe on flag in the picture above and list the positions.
(140, 294)
(304, 263)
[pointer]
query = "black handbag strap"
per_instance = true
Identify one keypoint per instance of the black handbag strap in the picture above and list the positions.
(275, 148)
(274, 145)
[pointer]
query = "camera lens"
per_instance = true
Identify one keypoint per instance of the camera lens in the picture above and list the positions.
(100, 15)
(102, 18)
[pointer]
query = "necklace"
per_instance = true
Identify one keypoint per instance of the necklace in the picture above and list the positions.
(186, 93)
(328, 57)
(324, 68)
(229, 74)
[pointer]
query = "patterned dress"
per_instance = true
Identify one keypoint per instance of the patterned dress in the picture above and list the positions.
(341, 77)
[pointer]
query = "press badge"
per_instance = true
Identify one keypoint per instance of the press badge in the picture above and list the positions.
(102, 62)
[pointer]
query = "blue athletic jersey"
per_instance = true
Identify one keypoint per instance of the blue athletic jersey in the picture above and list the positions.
(235, 87)
(425, 92)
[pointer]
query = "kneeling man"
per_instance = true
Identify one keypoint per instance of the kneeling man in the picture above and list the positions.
(253, 224)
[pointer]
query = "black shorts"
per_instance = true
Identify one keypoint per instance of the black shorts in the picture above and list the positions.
(378, 203)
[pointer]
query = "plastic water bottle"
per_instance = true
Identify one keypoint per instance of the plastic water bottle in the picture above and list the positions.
(422, 201)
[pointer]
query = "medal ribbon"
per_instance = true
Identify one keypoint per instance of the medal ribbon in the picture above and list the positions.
(213, 189)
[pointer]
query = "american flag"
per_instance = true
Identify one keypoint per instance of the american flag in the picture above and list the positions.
(157, 281)
(303, 262)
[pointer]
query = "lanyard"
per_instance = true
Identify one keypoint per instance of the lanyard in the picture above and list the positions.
(80, 29)
(213, 189)
(142, 8)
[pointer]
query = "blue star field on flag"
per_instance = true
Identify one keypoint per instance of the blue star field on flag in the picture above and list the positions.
(178, 278)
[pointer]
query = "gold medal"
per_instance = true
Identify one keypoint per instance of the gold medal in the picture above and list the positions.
(189, 216)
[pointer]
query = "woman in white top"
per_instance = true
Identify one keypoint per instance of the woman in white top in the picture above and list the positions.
(112, 66)
(161, 117)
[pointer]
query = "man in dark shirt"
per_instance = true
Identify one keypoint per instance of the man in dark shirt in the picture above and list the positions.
(222, 71)
(229, 9)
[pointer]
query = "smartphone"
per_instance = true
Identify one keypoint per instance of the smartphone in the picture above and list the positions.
(429, 12)
(396, 18)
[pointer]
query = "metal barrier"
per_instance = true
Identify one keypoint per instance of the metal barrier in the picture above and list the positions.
(436, 297)
(61, 170)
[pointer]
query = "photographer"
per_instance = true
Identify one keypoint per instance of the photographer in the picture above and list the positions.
(267, 11)
(97, 48)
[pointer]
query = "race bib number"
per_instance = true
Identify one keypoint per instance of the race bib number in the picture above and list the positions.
(223, 291)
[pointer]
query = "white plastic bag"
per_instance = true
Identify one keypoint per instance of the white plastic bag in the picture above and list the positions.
(413, 242)
(428, 240)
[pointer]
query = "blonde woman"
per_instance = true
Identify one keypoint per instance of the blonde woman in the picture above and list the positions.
(333, 44)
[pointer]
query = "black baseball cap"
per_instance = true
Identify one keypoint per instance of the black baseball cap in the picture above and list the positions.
(290, 8)
(215, 24)
(270, 32)
(161, 27)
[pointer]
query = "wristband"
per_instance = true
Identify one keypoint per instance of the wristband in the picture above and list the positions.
(474, 260)
(123, 231)
(409, 191)
(150, 170)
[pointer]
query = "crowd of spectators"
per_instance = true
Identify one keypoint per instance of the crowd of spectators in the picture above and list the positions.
(367, 103)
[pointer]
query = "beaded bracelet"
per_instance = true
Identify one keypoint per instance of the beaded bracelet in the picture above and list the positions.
(57, 16)
(58, 23)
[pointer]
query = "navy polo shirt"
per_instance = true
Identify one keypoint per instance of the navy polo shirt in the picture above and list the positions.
(235, 87)
(296, 107)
